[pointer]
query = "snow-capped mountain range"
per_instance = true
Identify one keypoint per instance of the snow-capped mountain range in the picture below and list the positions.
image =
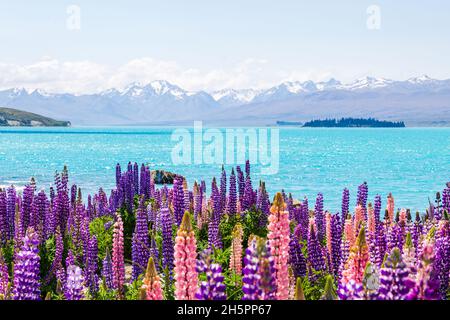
(421, 101)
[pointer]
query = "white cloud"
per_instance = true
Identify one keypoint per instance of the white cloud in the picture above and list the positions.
(87, 77)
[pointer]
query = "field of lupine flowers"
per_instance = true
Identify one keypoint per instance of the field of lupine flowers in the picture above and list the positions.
(233, 241)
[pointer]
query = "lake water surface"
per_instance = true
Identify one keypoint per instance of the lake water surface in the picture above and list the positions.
(412, 163)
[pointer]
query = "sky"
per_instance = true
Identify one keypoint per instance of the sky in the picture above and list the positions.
(87, 46)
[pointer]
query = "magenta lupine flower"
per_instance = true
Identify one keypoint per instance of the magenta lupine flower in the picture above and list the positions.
(345, 204)
(74, 289)
(26, 269)
(107, 271)
(319, 217)
(394, 281)
(178, 199)
(117, 256)
(141, 244)
(213, 288)
(232, 199)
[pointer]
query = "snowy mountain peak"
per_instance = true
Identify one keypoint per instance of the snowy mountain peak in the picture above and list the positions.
(230, 97)
(368, 83)
(328, 85)
(419, 80)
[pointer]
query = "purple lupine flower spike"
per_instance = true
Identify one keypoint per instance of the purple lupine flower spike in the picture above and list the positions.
(107, 271)
(167, 239)
(178, 200)
(141, 244)
(319, 218)
(223, 190)
(213, 226)
(241, 183)
(336, 244)
(297, 260)
(213, 288)
(345, 205)
(27, 269)
(232, 200)
(74, 289)
(4, 221)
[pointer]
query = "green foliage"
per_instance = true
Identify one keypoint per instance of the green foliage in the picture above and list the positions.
(168, 285)
(132, 290)
(129, 220)
(251, 224)
(202, 237)
(329, 291)
(314, 290)
(104, 236)
(47, 254)
(104, 293)
(76, 250)
(221, 256)
(57, 294)
(233, 284)
(226, 226)
(8, 254)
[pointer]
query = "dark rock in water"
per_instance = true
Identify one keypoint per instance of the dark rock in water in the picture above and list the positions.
(163, 177)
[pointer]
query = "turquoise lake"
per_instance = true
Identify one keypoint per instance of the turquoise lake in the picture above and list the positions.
(412, 163)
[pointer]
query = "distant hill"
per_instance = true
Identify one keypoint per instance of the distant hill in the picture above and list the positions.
(17, 118)
(354, 123)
